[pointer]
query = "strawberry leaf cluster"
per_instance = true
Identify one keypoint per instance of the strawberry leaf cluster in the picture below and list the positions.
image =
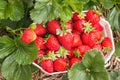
(91, 68)
(50, 9)
(11, 9)
(16, 58)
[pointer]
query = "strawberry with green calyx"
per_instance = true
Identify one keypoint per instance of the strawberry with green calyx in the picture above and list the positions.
(88, 27)
(51, 55)
(92, 38)
(66, 40)
(76, 40)
(106, 44)
(77, 16)
(79, 25)
(52, 43)
(92, 16)
(28, 36)
(40, 42)
(74, 60)
(62, 52)
(60, 64)
(39, 29)
(83, 49)
(53, 26)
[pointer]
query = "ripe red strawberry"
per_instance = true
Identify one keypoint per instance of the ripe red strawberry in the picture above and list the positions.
(92, 17)
(91, 38)
(28, 36)
(69, 25)
(98, 27)
(83, 49)
(76, 32)
(107, 43)
(47, 65)
(76, 40)
(66, 40)
(40, 30)
(97, 46)
(52, 43)
(77, 16)
(71, 54)
(74, 60)
(52, 26)
(79, 25)
(60, 64)
(40, 42)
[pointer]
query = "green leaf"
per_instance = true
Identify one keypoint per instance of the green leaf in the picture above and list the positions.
(25, 54)
(115, 75)
(76, 5)
(78, 72)
(91, 67)
(65, 13)
(3, 4)
(44, 12)
(13, 71)
(114, 19)
(107, 3)
(14, 10)
(117, 49)
(7, 46)
(94, 60)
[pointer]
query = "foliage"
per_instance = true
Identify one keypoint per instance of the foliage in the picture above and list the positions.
(115, 75)
(91, 67)
(117, 49)
(114, 19)
(17, 57)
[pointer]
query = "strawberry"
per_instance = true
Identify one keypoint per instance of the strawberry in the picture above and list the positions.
(91, 38)
(77, 16)
(76, 40)
(98, 46)
(69, 25)
(53, 26)
(47, 65)
(71, 54)
(98, 27)
(52, 43)
(40, 42)
(107, 44)
(28, 36)
(92, 16)
(60, 64)
(66, 40)
(40, 30)
(78, 25)
(74, 60)
(83, 49)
